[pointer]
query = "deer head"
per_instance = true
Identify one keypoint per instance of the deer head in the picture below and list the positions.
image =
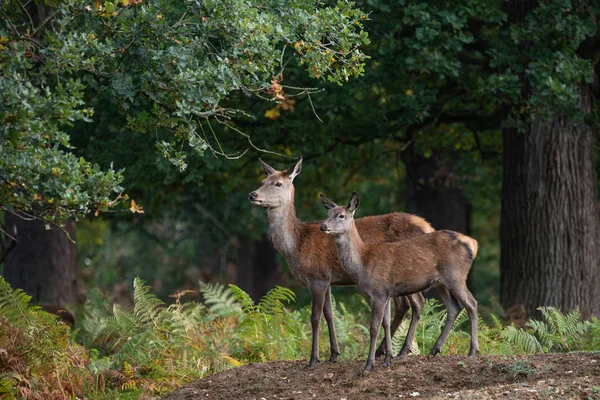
(339, 219)
(277, 189)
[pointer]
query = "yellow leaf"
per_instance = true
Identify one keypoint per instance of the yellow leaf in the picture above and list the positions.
(273, 113)
(135, 208)
(409, 92)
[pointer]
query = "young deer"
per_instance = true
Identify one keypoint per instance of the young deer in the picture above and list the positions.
(384, 270)
(313, 259)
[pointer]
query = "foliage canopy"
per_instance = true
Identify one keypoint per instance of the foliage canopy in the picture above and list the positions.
(166, 66)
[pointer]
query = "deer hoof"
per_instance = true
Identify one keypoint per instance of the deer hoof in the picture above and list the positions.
(313, 362)
(473, 353)
(334, 356)
(434, 352)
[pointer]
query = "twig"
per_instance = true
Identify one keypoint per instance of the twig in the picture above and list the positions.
(250, 140)
(313, 108)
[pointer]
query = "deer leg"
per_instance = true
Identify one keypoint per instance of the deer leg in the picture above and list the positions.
(465, 297)
(318, 291)
(452, 308)
(328, 312)
(377, 310)
(417, 300)
(401, 305)
(387, 338)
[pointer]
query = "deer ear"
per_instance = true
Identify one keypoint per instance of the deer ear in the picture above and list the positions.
(294, 170)
(328, 204)
(354, 202)
(266, 167)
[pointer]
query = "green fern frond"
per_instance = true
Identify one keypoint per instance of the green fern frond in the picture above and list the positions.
(497, 323)
(93, 323)
(13, 303)
(559, 332)
(147, 307)
(185, 316)
(523, 340)
(220, 299)
(272, 302)
(463, 316)
(243, 298)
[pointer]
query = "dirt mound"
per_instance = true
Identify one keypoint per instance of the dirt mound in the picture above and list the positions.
(548, 376)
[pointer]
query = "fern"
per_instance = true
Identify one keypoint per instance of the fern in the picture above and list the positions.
(221, 300)
(147, 306)
(557, 331)
(524, 341)
(272, 302)
(13, 303)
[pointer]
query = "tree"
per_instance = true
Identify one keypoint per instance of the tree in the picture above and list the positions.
(166, 67)
(47, 273)
(550, 226)
(442, 72)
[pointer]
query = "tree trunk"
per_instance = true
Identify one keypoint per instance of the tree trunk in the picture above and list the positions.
(258, 271)
(549, 224)
(43, 263)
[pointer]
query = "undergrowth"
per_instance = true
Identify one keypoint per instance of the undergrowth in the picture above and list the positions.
(152, 348)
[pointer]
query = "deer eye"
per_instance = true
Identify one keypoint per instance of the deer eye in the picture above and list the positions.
(278, 184)
(341, 216)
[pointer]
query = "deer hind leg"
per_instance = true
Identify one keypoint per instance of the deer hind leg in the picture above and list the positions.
(452, 308)
(401, 305)
(378, 304)
(318, 292)
(328, 312)
(465, 297)
(417, 300)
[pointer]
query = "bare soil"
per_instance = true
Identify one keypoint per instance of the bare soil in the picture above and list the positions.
(545, 376)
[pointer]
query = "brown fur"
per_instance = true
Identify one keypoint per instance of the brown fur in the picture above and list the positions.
(316, 254)
(418, 263)
(383, 270)
(312, 256)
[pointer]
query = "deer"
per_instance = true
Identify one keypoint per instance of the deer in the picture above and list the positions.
(389, 269)
(313, 259)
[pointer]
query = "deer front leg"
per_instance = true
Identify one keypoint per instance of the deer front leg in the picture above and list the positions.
(318, 292)
(328, 312)
(377, 310)
(401, 306)
(387, 338)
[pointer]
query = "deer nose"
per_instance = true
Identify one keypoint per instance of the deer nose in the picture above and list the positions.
(252, 196)
(323, 227)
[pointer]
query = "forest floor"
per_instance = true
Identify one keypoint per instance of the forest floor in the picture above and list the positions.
(544, 376)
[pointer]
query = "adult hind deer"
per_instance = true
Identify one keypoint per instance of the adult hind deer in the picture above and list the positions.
(313, 259)
(383, 270)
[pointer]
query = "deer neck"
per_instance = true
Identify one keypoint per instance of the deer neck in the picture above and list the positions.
(350, 247)
(283, 228)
